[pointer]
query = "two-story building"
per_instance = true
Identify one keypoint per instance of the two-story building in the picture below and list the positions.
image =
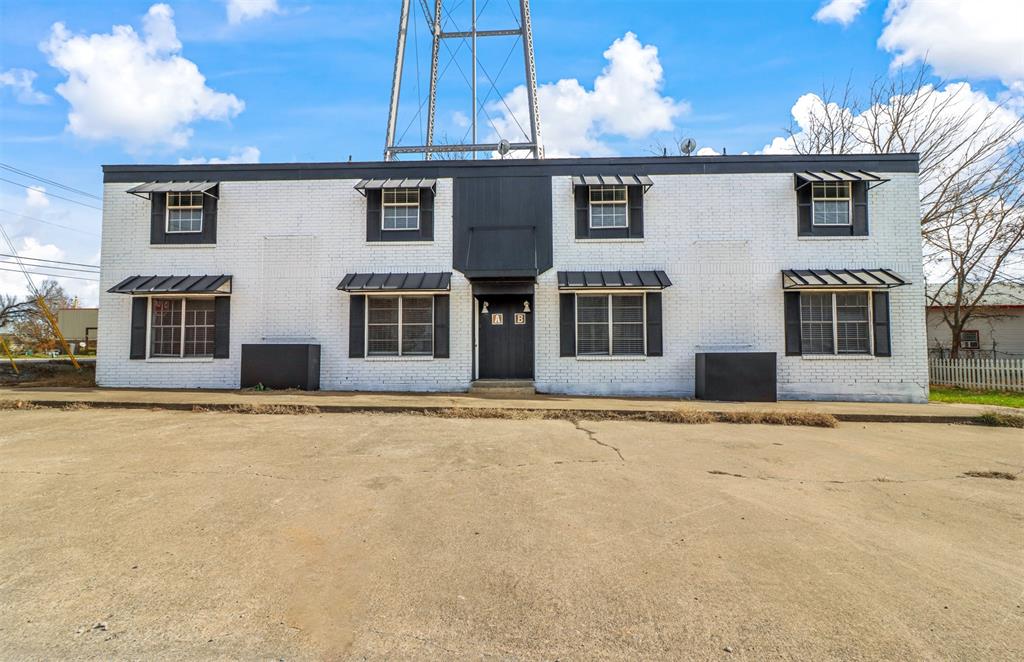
(586, 276)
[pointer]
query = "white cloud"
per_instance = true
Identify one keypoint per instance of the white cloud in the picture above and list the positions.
(707, 151)
(134, 88)
(243, 155)
(840, 11)
(35, 197)
(21, 82)
(247, 10)
(626, 101)
(976, 39)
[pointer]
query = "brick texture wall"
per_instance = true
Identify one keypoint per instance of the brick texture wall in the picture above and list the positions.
(723, 239)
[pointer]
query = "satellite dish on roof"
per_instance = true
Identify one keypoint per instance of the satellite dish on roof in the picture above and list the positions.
(504, 147)
(687, 146)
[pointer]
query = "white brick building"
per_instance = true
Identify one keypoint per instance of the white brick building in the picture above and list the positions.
(604, 276)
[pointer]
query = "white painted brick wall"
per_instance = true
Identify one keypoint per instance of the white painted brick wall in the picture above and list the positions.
(723, 239)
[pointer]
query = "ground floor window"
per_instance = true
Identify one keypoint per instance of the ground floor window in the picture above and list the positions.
(835, 322)
(181, 327)
(610, 324)
(399, 326)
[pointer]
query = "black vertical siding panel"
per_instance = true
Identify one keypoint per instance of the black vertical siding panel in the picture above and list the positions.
(880, 312)
(803, 211)
(157, 214)
(373, 220)
(137, 348)
(582, 197)
(654, 330)
(792, 303)
(356, 327)
(441, 316)
(427, 214)
(209, 234)
(222, 327)
(567, 324)
(636, 211)
(860, 209)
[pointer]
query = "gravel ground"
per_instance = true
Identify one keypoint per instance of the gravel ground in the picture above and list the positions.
(179, 535)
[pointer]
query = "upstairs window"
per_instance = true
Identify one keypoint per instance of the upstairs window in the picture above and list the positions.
(831, 203)
(400, 326)
(835, 322)
(610, 324)
(609, 207)
(184, 212)
(400, 209)
(182, 328)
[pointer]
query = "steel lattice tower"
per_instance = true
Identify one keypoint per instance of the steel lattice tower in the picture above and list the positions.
(435, 19)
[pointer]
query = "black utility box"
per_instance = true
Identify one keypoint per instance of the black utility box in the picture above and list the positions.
(737, 376)
(281, 366)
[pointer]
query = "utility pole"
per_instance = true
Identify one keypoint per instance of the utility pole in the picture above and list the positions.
(436, 19)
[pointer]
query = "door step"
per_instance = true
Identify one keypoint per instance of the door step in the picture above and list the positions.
(501, 388)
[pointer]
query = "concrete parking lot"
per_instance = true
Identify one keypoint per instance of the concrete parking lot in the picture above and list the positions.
(180, 535)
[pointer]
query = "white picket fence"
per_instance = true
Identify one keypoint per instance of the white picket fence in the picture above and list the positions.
(980, 374)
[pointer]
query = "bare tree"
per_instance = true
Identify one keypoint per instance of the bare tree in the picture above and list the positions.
(971, 177)
(30, 325)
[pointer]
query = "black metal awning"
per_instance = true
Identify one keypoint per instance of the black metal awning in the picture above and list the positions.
(173, 285)
(830, 279)
(147, 190)
(396, 282)
(365, 185)
(613, 180)
(802, 179)
(581, 280)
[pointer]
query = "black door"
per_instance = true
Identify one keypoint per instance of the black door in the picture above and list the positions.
(506, 337)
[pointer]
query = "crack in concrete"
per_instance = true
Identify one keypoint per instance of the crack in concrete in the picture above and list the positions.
(593, 437)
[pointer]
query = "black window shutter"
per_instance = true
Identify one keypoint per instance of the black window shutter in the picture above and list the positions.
(356, 328)
(582, 194)
(803, 211)
(373, 219)
(792, 300)
(567, 324)
(441, 314)
(427, 214)
(140, 307)
(636, 211)
(209, 235)
(880, 311)
(222, 327)
(859, 191)
(158, 212)
(654, 334)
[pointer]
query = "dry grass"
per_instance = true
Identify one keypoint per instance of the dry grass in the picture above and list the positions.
(678, 416)
(18, 404)
(997, 420)
(275, 410)
(76, 406)
(1001, 475)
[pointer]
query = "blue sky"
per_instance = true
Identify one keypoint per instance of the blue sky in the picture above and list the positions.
(314, 79)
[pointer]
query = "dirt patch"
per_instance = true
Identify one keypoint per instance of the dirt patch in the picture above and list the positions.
(999, 475)
(18, 404)
(998, 420)
(49, 373)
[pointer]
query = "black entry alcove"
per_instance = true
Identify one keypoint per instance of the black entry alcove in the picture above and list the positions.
(505, 336)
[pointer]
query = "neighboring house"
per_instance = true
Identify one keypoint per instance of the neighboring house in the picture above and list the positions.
(995, 329)
(79, 325)
(588, 276)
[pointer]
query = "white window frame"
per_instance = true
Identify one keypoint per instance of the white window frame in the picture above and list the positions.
(835, 324)
(384, 205)
(965, 344)
(591, 202)
(169, 207)
(849, 205)
(611, 320)
(401, 307)
(181, 350)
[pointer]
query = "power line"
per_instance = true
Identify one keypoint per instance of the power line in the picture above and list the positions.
(56, 225)
(47, 266)
(50, 182)
(52, 195)
(37, 273)
(39, 259)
